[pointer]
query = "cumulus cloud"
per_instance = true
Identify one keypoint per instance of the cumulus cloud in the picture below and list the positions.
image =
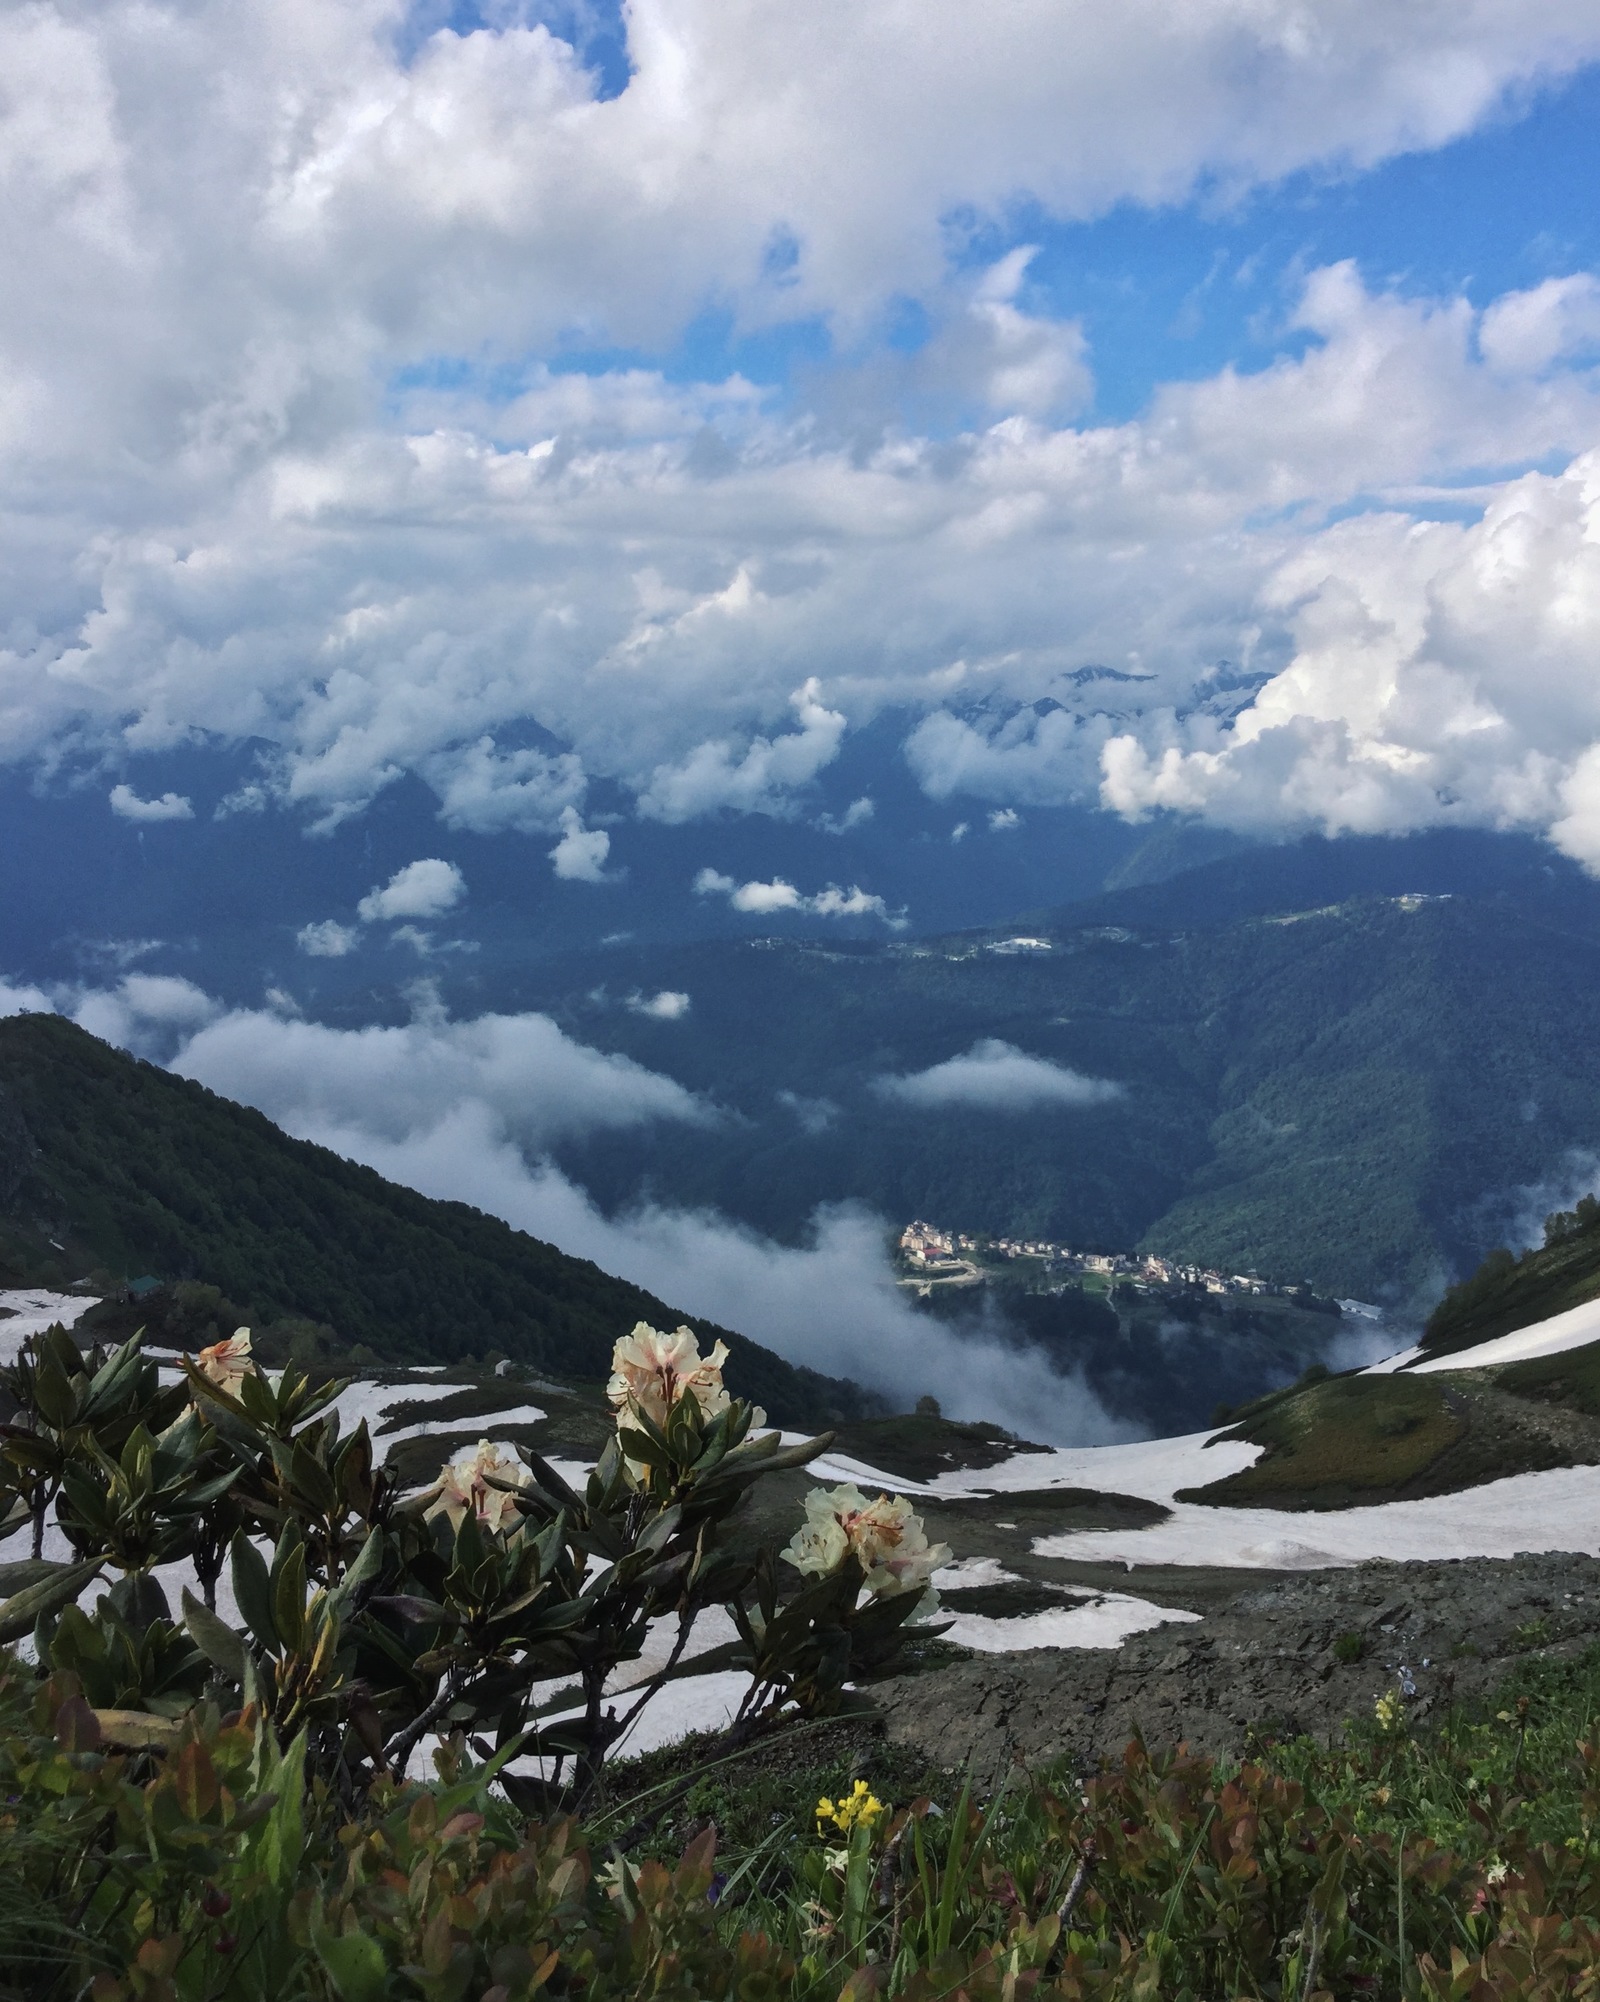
(580, 855)
(994, 1076)
(425, 889)
(1441, 673)
(145, 1012)
(127, 805)
(856, 814)
(327, 939)
(670, 1005)
(765, 899)
(764, 772)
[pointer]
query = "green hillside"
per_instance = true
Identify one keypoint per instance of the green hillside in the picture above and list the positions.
(1507, 1293)
(1350, 1441)
(131, 1170)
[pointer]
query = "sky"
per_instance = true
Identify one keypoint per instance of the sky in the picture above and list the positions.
(610, 423)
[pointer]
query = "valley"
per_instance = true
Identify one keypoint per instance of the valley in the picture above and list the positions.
(1362, 1096)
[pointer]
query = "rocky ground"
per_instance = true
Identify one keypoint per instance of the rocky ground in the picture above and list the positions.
(1294, 1653)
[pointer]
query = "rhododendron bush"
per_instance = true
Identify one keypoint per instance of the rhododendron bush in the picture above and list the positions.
(494, 1606)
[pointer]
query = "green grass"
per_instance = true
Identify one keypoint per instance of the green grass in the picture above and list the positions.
(1507, 1293)
(1393, 1847)
(1571, 1379)
(1342, 1440)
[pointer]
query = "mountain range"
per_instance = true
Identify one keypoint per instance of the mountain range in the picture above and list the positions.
(1363, 1064)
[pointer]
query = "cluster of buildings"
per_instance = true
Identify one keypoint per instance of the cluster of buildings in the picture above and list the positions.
(933, 1253)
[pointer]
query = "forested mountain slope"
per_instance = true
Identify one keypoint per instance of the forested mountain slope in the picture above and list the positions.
(136, 1171)
(1361, 1093)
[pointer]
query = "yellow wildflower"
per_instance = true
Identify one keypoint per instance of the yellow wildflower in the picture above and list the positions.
(861, 1805)
(1390, 1711)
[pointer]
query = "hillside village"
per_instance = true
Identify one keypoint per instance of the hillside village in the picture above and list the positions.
(934, 1256)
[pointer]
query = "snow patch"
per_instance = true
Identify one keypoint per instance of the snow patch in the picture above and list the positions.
(29, 1310)
(1102, 1620)
(1555, 1510)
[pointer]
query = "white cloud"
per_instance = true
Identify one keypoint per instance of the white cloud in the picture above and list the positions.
(1003, 819)
(856, 814)
(670, 1005)
(145, 1012)
(766, 899)
(19, 998)
(398, 1083)
(758, 778)
(997, 1077)
(425, 889)
(327, 939)
(1440, 673)
(1525, 332)
(487, 790)
(127, 804)
(580, 855)
(267, 497)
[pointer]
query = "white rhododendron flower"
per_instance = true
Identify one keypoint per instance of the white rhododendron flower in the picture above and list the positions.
(885, 1536)
(464, 1487)
(227, 1364)
(650, 1371)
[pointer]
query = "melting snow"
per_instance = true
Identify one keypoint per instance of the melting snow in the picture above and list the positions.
(1151, 1469)
(1099, 1620)
(1557, 1510)
(968, 1572)
(1574, 1329)
(31, 1310)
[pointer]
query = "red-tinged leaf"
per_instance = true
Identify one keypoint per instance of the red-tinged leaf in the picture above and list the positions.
(195, 1781)
(436, 1943)
(159, 1957)
(459, 1825)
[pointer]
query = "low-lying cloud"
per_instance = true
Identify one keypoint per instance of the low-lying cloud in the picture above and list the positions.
(996, 1077)
(465, 1111)
(400, 1084)
(580, 855)
(670, 1005)
(765, 899)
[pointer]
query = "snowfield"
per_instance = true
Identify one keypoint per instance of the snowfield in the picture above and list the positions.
(1558, 1510)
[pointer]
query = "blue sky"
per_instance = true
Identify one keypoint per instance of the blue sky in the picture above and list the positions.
(1179, 291)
